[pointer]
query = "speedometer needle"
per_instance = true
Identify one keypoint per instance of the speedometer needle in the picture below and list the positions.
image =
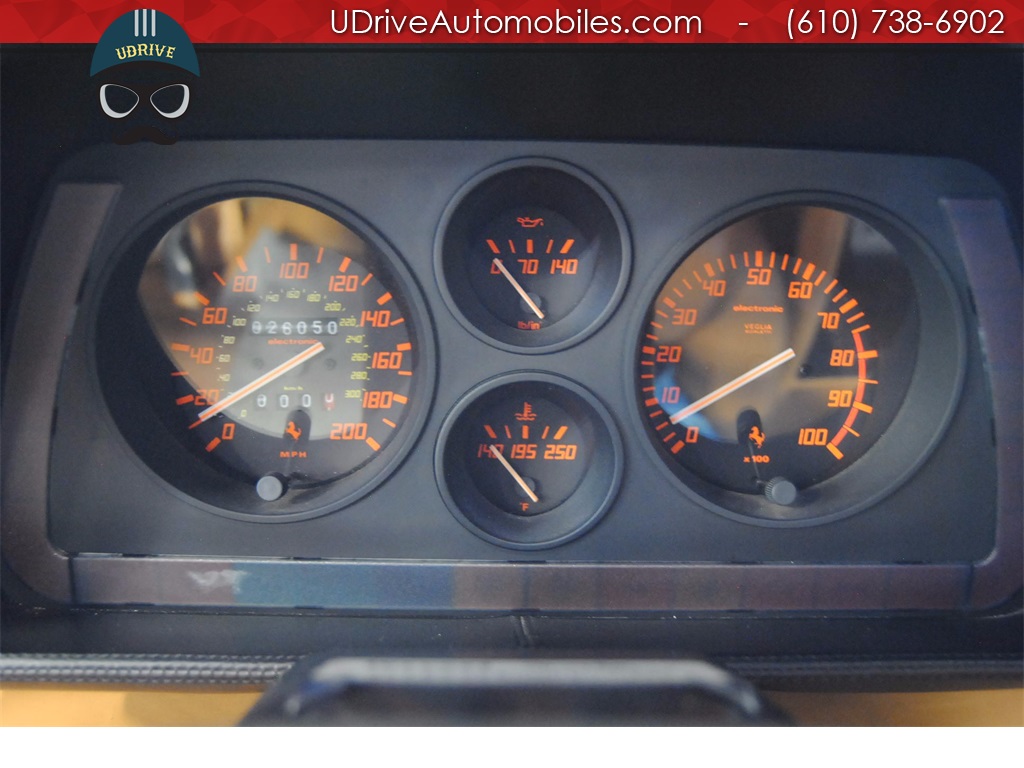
(519, 289)
(740, 381)
(515, 475)
(262, 381)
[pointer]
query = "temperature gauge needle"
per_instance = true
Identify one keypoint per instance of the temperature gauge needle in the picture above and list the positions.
(519, 289)
(515, 475)
(262, 381)
(727, 389)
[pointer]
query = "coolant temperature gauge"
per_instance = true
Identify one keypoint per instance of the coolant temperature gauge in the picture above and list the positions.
(529, 455)
(528, 461)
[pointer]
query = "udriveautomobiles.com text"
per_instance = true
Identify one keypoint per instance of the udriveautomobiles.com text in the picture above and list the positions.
(583, 22)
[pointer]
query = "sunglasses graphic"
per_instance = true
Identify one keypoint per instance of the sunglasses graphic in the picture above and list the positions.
(119, 101)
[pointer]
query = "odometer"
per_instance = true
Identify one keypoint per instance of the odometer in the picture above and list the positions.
(286, 357)
(775, 356)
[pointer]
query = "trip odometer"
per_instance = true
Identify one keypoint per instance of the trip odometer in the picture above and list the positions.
(282, 356)
(777, 355)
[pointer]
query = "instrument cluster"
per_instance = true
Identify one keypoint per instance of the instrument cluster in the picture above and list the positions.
(426, 375)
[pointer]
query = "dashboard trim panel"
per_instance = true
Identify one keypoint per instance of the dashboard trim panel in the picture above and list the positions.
(986, 244)
(74, 221)
(443, 584)
(433, 586)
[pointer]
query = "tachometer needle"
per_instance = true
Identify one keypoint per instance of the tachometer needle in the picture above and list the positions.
(740, 381)
(515, 475)
(519, 289)
(262, 381)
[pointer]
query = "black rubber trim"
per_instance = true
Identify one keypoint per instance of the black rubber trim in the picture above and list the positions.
(143, 669)
(844, 674)
(839, 673)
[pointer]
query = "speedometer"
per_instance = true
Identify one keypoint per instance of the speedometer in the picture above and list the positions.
(282, 355)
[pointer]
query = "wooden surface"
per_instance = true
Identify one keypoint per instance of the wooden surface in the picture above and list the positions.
(52, 705)
(974, 708)
(28, 705)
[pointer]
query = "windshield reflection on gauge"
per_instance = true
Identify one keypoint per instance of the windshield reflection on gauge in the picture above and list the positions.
(289, 354)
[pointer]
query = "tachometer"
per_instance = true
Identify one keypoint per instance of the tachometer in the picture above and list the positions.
(282, 355)
(776, 356)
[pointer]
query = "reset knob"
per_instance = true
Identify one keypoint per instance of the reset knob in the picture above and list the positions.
(779, 490)
(271, 488)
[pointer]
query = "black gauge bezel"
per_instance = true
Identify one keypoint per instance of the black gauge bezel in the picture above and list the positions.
(117, 322)
(551, 184)
(931, 398)
(577, 514)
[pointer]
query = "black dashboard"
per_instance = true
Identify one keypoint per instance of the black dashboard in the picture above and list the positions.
(678, 351)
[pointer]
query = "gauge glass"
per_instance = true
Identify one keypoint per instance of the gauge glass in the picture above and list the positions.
(535, 267)
(529, 456)
(775, 356)
(283, 354)
(533, 257)
(528, 461)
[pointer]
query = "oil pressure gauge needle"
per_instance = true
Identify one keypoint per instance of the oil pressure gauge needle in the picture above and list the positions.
(262, 381)
(515, 475)
(519, 289)
(727, 389)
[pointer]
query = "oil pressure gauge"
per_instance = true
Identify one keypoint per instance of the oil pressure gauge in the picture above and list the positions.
(528, 461)
(532, 257)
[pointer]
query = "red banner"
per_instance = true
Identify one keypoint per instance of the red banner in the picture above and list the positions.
(532, 21)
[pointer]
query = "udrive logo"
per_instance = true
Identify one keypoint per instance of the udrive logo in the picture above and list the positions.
(145, 67)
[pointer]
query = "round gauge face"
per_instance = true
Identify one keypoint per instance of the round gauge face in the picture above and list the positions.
(535, 276)
(532, 257)
(279, 350)
(775, 356)
(529, 456)
(528, 461)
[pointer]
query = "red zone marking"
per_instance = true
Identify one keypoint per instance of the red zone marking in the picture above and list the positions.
(858, 401)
